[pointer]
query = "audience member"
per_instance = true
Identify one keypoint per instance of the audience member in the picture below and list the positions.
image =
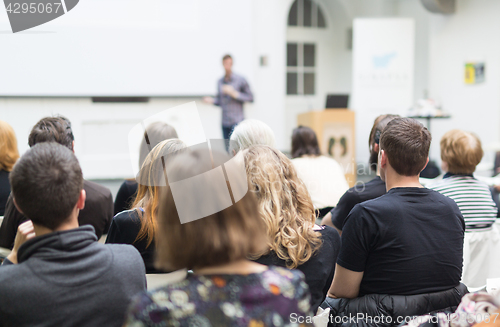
(250, 132)
(226, 289)
(8, 157)
(63, 276)
(138, 225)
(323, 176)
(154, 134)
(294, 241)
(98, 210)
(371, 190)
(407, 242)
(461, 152)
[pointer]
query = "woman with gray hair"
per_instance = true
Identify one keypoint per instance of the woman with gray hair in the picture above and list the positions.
(251, 132)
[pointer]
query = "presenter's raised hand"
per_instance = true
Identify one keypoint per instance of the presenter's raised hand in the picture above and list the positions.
(208, 100)
(229, 90)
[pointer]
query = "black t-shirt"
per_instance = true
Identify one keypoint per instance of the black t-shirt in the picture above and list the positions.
(319, 270)
(125, 196)
(124, 230)
(358, 194)
(4, 190)
(98, 212)
(409, 241)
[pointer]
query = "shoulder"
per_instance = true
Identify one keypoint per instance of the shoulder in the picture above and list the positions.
(95, 190)
(436, 195)
(142, 306)
(13, 273)
(123, 251)
(127, 217)
(284, 277)
(239, 77)
(330, 234)
(290, 283)
(351, 196)
(126, 259)
(364, 211)
(128, 185)
(177, 300)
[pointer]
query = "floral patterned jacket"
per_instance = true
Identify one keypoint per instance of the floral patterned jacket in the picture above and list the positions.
(275, 297)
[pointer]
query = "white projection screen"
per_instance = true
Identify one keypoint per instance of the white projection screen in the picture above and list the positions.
(127, 48)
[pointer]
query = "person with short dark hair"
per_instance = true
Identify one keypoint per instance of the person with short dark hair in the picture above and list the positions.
(408, 241)
(323, 176)
(63, 276)
(461, 152)
(98, 210)
(232, 92)
(8, 157)
(370, 190)
(226, 288)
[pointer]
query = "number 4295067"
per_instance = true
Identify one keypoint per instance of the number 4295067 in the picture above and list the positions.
(33, 7)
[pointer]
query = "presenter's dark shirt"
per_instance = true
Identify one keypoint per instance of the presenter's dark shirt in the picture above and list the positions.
(409, 241)
(319, 270)
(358, 194)
(4, 190)
(125, 196)
(124, 230)
(98, 212)
(232, 109)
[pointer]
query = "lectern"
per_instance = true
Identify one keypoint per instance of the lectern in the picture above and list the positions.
(335, 131)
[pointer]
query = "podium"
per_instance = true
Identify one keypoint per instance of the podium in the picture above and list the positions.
(335, 129)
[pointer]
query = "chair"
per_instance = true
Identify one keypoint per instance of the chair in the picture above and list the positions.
(159, 280)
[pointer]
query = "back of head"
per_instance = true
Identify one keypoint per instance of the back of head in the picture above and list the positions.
(283, 203)
(406, 143)
(52, 129)
(304, 142)
(461, 151)
(46, 184)
(378, 126)
(223, 237)
(8, 147)
(154, 134)
(151, 177)
(251, 132)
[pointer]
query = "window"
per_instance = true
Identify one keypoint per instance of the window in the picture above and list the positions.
(301, 63)
(306, 13)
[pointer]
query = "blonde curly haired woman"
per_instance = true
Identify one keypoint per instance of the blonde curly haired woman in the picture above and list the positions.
(137, 226)
(294, 240)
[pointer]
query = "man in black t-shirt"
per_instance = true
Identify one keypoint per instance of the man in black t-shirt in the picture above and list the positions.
(408, 241)
(371, 190)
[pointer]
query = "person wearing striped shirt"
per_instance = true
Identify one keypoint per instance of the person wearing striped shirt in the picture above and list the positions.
(461, 152)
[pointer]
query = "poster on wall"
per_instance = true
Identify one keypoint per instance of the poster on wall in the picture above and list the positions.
(474, 72)
(383, 72)
(338, 142)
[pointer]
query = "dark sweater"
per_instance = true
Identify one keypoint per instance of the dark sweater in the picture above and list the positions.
(69, 279)
(124, 230)
(125, 196)
(98, 212)
(319, 270)
(4, 190)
